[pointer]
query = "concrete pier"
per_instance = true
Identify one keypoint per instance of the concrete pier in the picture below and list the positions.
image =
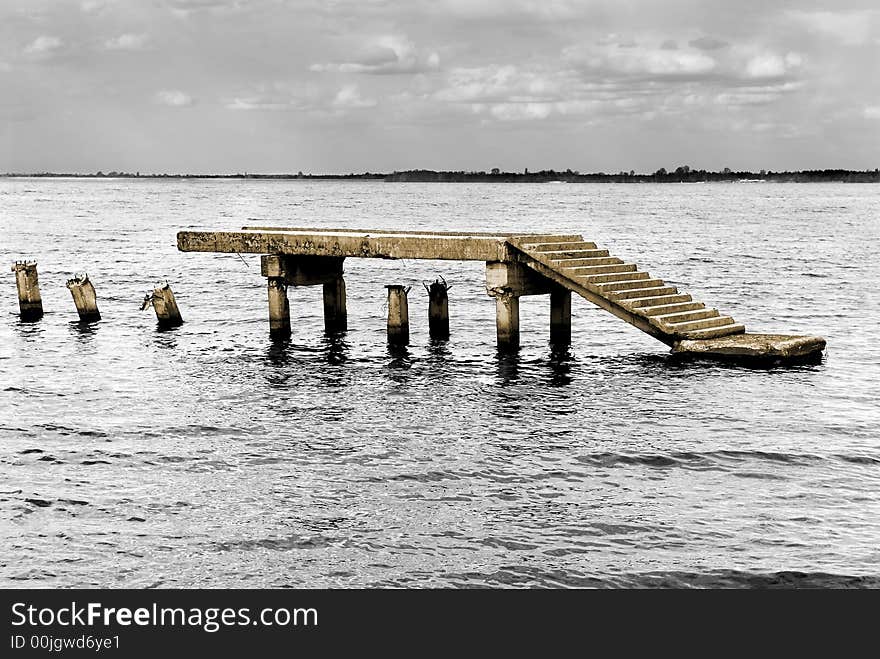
(30, 304)
(335, 311)
(560, 317)
(398, 314)
(84, 297)
(165, 306)
(516, 265)
(438, 309)
(279, 308)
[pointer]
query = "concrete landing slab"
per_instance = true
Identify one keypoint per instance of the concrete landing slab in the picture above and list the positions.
(772, 348)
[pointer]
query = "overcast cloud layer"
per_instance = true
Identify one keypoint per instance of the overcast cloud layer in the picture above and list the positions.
(339, 86)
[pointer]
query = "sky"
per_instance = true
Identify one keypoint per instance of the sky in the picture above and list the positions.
(227, 86)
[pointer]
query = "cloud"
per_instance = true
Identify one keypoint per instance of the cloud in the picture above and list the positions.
(756, 94)
(95, 6)
(636, 60)
(126, 41)
(500, 83)
(174, 98)
(273, 98)
(851, 28)
(43, 46)
(708, 43)
(384, 55)
(349, 97)
(770, 65)
(872, 112)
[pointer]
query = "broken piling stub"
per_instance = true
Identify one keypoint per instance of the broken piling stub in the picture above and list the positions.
(398, 314)
(30, 303)
(84, 298)
(165, 306)
(438, 308)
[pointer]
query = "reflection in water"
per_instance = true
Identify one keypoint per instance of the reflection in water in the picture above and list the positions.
(508, 364)
(29, 330)
(278, 353)
(336, 349)
(84, 332)
(560, 366)
(165, 337)
(438, 350)
(398, 368)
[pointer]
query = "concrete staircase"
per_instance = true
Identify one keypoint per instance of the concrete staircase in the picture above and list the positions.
(640, 299)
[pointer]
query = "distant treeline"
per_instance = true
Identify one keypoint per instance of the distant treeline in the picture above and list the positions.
(683, 174)
(679, 175)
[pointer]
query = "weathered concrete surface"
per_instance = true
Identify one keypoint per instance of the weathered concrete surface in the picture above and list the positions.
(560, 316)
(512, 278)
(335, 306)
(165, 305)
(279, 308)
(367, 243)
(398, 314)
(754, 347)
(302, 270)
(507, 322)
(85, 298)
(30, 303)
(438, 309)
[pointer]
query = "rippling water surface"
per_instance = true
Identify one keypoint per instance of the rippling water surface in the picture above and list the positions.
(210, 456)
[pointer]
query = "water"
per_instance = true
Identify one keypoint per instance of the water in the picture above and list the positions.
(209, 456)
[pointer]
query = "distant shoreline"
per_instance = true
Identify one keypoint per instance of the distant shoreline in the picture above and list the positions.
(680, 175)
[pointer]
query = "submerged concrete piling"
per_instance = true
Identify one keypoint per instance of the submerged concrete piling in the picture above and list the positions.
(165, 306)
(279, 308)
(30, 304)
(560, 316)
(438, 309)
(398, 314)
(335, 311)
(507, 321)
(84, 297)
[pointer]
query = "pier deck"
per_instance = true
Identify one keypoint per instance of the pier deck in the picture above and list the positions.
(516, 265)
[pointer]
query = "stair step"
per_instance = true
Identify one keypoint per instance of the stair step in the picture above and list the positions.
(684, 316)
(715, 332)
(649, 293)
(717, 321)
(631, 284)
(574, 263)
(614, 277)
(600, 269)
(572, 254)
(556, 246)
(664, 309)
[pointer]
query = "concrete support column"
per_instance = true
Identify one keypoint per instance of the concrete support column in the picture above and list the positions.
(335, 311)
(438, 309)
(165, 306)
(30, 304)
(279, 308)
(507, 321)
(398, 315)
(85, 298)
(560, 317)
